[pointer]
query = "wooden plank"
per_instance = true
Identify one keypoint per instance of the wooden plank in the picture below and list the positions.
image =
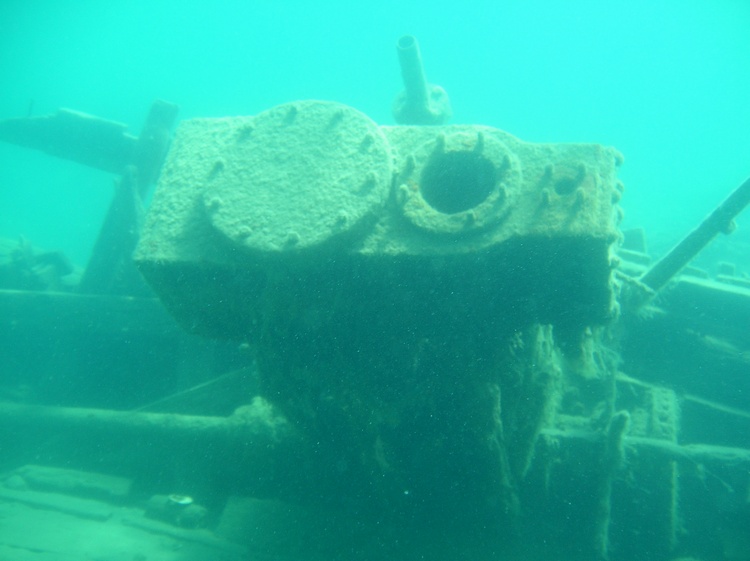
(710, 307)
(85, 313)
(76, 136)
(153, 143)
(82, 508)
(110, 269)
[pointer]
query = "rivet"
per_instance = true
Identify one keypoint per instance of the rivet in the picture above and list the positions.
(479, 146)
(216, 169)
(215, 203)
(729, 227)
(336, 118)
(617, 192)
(580, 197)
(291, 114)
(545, 197)
(440, 142)
(292, 238)
(367, 141)
(245, 131)
(370, 180)
(342, 218)
(402, 194)
(410, 165)
(506, 163)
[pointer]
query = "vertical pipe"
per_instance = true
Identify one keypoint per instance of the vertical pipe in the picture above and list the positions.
(412, 70)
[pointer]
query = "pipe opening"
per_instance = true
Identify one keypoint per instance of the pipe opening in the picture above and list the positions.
(457, 181)
(406, 42)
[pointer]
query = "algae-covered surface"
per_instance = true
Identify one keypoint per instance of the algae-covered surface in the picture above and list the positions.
(274, 316)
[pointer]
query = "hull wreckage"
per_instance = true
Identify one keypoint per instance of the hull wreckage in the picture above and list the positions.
(448, 348)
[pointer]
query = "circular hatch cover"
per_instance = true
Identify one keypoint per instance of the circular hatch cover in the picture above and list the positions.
(298, 175)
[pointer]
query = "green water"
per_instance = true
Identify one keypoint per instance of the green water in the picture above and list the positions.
(664, 82)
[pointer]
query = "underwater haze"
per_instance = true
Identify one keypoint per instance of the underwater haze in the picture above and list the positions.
(664, 82)
(334, 337)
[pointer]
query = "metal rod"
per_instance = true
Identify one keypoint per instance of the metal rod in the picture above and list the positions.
(420, 103)
(412, 70)
(720, 220)
(244, 449)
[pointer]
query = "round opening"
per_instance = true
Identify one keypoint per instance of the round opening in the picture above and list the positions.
(566, 185)
(406, 42)
(456, 181)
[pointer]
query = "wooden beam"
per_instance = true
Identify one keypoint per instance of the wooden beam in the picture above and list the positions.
(75, 312)
(76, 136)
